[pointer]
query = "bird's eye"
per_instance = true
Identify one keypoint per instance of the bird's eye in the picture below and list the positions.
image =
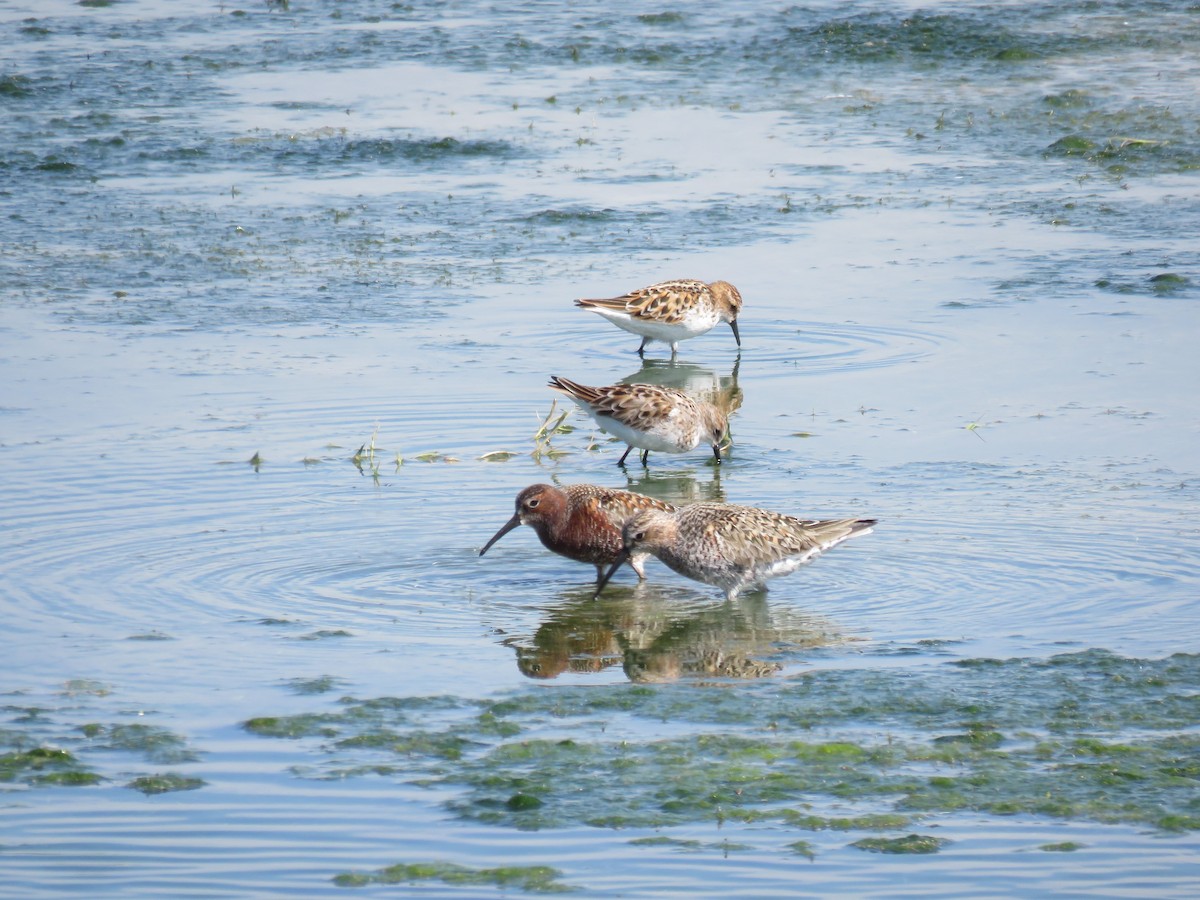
(532, 504)
(641, 535)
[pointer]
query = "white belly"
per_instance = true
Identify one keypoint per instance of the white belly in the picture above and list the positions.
(669, 438)
(691, 326)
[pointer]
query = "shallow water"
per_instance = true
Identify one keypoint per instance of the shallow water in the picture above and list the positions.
(278, 282)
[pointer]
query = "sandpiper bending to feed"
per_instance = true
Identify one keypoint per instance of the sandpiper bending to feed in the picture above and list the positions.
(672, 311)
(649, 417)
(581, 522)
(730, 547)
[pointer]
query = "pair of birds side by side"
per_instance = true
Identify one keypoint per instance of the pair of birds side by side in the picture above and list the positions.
(728, 546)
(721, 544)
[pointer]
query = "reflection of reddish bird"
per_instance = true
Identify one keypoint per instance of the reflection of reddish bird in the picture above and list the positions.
(579, 644)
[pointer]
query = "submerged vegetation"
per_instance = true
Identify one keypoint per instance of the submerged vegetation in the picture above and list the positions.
(45, 753)
(42, 766)
(910, 843)
(165, 783)
(1085, 736)
(534, 879)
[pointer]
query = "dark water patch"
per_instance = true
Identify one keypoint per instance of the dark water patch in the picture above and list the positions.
(1146, 140)
(297, 726)
(324, 634)
(364, 723)
(31, 28)
(869, 822)
(437, 746)
(979, 34)
(14, 86)
(155, 743)
(1169, 282)
(321, 685)
(690, 846)
(803, 848)
(150, 636)
(55, 164)
(910, 843)
(1163, 284)
(165, 783)
(138, 150)
(925, 39)
(569, 217)
(429, 150)
(333, 149)
(1072, 98)
(669, 18)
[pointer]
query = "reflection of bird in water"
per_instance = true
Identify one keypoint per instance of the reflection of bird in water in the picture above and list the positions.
(696, 381)
(680, 486)
(649, 417)
(713, 642)
(668, 665)
(672, 311)
(732, 547)
(579, 643)
(580, 521)
(654, 637)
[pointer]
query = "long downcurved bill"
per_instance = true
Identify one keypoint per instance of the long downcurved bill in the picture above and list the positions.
(622, 558)
(504, 529)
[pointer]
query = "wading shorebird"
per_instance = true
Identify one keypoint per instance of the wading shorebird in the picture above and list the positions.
(730, 547)
(649, 417)
(581, 522)
(672, 311)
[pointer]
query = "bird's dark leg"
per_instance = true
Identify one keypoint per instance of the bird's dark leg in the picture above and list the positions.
(642, 347)
(645, 456)
(621, 461)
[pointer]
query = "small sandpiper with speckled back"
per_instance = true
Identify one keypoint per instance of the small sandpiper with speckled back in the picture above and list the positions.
(581, 522)
(672, 311)
(649, 417)
(731, 547)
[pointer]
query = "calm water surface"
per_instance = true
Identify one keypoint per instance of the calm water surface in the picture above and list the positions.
(280, 281)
